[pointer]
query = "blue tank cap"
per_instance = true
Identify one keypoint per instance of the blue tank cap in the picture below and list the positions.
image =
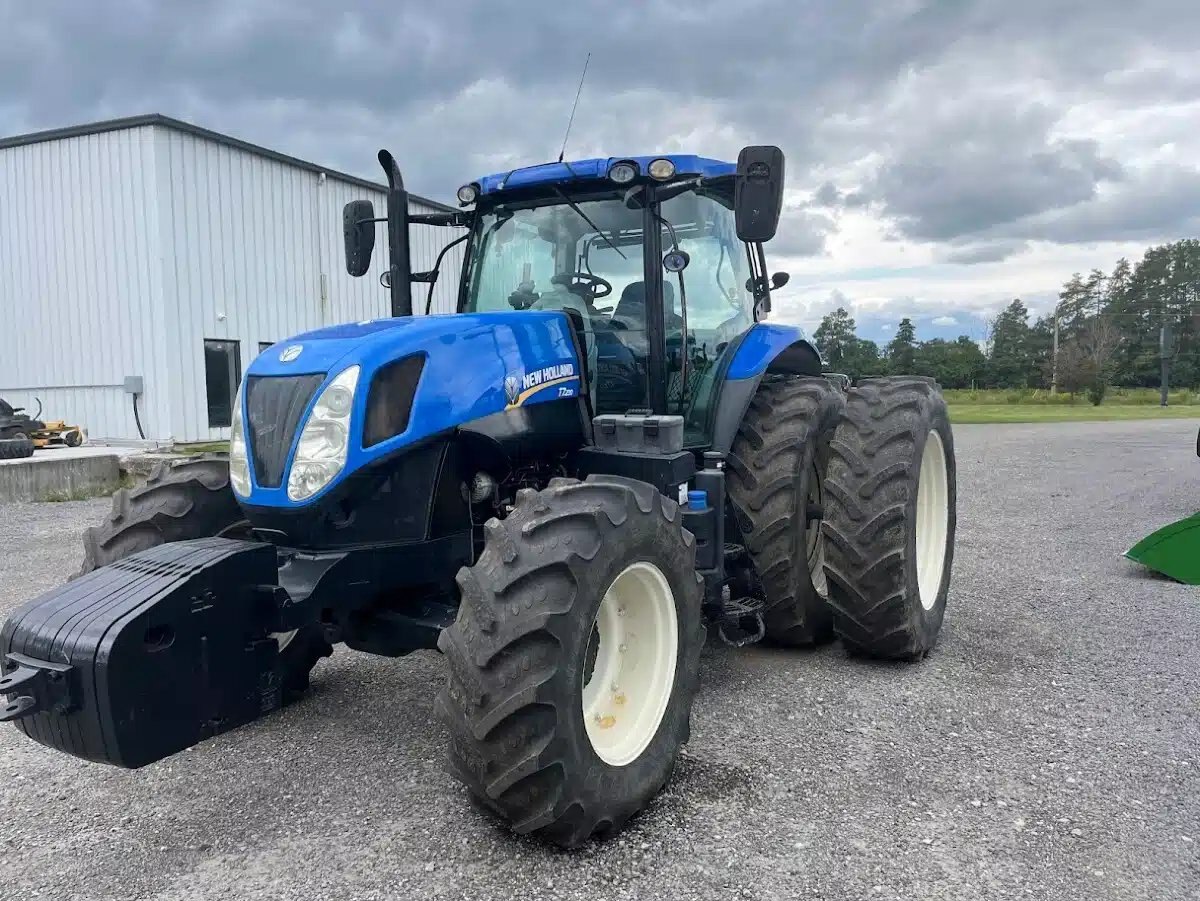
(697, 500)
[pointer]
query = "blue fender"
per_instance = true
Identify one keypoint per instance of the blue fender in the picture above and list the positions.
(764, 347)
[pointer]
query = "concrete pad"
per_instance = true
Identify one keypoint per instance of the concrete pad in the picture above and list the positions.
(59, 452)
(46, 477)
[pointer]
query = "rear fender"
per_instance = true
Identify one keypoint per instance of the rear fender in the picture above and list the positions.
(764, 349)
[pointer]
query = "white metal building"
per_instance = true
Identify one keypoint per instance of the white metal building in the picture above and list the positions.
(150, 247)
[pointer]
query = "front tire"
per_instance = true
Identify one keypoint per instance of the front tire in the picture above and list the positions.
(573, 660)
(890, 517)
(178, 502)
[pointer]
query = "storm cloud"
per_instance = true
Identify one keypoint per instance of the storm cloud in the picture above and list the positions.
(924, 140)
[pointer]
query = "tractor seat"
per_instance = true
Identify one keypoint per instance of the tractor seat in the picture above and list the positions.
(630, 311)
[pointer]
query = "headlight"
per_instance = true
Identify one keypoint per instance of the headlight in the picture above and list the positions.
(623, 173)
(321, 452)
(239, 469)
(661, 169)
(468, 194)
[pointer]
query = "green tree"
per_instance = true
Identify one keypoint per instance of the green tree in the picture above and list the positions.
(1118, 282)
(955, 364)
(843, 351)
(1163, 287)
(902, 349)
(863, 359)
(1041, 351)
(1011, 363)
(835, 338)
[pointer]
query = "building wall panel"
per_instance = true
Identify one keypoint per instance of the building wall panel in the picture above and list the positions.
(122, 250)
(77, 292)
(254, 254)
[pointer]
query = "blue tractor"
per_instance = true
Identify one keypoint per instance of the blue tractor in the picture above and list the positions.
(605, 450)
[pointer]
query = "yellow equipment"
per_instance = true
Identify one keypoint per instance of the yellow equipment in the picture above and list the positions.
(58, 433)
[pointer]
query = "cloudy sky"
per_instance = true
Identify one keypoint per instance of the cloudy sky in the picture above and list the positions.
(943, 157)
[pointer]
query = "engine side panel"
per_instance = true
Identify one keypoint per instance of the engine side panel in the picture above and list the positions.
(476, 365)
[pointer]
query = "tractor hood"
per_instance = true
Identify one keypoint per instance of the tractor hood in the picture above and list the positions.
(457, 368)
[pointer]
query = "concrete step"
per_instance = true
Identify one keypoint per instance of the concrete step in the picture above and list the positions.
(58, 478)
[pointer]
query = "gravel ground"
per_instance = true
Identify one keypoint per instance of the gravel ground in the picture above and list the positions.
(1049, 748)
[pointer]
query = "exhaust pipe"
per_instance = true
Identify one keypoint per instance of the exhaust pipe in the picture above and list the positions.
(400, 270)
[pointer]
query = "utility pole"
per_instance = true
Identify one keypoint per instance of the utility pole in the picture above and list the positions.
(1054, 357)
(1164, 362)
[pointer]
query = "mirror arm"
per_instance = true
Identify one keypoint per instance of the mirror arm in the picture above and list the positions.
(764, 299)
(456, 218)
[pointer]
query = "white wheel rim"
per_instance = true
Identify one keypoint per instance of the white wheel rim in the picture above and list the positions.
(814, 539)
(933, 516)
(635, 643)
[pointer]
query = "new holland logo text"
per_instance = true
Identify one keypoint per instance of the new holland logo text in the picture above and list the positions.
(520, 387)
(549, 374)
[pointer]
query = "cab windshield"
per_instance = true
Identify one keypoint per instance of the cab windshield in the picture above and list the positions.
(588, 258)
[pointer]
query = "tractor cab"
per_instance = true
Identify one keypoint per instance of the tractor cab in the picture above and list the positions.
(658, 263)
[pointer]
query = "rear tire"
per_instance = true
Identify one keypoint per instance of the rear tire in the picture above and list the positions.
(890, 517)
(528, 648)
(178, 502)
(776, 467)
(16, 449)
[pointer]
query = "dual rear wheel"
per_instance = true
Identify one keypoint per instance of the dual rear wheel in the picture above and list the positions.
(890, 497)
(847, 504)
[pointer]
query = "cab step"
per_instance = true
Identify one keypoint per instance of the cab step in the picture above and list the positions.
(741, 621)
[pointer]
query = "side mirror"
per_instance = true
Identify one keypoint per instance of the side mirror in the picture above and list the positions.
(758, 193)
(358, 227)
(779, 279)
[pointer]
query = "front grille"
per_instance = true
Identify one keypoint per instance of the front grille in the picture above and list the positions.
(274, 408)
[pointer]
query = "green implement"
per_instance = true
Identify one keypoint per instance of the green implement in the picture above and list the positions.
(1173, 550)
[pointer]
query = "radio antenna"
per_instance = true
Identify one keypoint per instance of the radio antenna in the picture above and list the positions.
(574, 105)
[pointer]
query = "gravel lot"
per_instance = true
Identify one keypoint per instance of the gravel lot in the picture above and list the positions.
(1049, 748)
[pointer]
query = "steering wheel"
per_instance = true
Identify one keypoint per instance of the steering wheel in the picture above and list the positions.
(594, 286)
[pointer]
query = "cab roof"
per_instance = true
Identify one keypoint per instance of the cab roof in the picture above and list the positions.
(583, 170)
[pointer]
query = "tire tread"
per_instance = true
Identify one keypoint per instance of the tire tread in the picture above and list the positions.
(872, 477)
(501, 704)
(785, 417)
